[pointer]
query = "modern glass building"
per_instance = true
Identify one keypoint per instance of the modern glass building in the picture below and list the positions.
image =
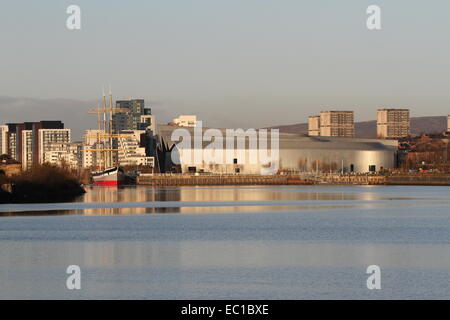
(130, 120)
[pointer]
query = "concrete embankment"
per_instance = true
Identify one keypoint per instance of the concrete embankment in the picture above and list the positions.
(397, 179)
(211, 180)
(419, 179)
(362, 179)
(294, 179)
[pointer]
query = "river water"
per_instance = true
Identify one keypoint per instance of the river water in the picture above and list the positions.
(261, 242)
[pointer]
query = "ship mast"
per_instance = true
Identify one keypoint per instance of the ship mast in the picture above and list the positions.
(104, 130)
(111, 111)
(105, 135)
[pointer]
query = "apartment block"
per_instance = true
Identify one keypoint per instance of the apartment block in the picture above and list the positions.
(22, 143)
(13, 141)
(27, 149)
(130, 119)
(131, 151)
(314, 126)
(91, 156)
(337, 124)
(48, 137)
(148, 122)
(62, 153)
(3, 139)
(393, 123)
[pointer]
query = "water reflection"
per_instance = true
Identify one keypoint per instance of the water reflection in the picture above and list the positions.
(244, 269)
(327, 197)
(128, 194)
(321, 252)
(225, 254)
(143, 194)
(147, 199)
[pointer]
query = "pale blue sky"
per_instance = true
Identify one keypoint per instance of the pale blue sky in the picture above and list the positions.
(234, 63)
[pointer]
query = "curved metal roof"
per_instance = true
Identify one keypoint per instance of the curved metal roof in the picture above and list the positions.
(298, 141)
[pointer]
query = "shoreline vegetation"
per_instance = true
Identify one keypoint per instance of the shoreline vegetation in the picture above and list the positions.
(44, 183)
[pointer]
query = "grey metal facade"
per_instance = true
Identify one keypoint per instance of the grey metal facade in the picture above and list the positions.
(301, 153)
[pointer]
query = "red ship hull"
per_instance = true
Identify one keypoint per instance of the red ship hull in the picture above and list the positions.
(109, 177)
(107, 183)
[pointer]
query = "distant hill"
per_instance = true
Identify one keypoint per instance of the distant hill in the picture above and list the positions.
(368, 129)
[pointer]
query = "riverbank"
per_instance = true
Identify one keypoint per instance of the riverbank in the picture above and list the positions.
(222, 180)
(419, 179)
(41, 184)
(413, 179)
(294, 179)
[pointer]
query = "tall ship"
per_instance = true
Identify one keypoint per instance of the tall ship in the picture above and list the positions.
(107, 171)
(109, 177)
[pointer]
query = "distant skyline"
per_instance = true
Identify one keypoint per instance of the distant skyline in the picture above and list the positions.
(234, 63)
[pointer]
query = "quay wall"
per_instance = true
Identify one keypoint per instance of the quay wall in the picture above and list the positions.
(420, 179)
(294, 179)
(210, 180)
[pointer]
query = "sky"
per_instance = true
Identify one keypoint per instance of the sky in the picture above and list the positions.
(233, 63)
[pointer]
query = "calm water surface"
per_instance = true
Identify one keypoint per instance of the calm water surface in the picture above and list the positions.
(230, 243)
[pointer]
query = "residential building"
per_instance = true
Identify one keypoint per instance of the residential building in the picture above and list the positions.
(21, 140)
(92, 136)
(148, 122)
(62, 153)
(3, 139)
(12, 143)
(27, 149)
(136, 117)
(131, 119)
(132, 152)
(32, 143)
(119, 122)
(393, 123)
(314, 126)
(91, 141)
(337, 124)
(48, 137)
